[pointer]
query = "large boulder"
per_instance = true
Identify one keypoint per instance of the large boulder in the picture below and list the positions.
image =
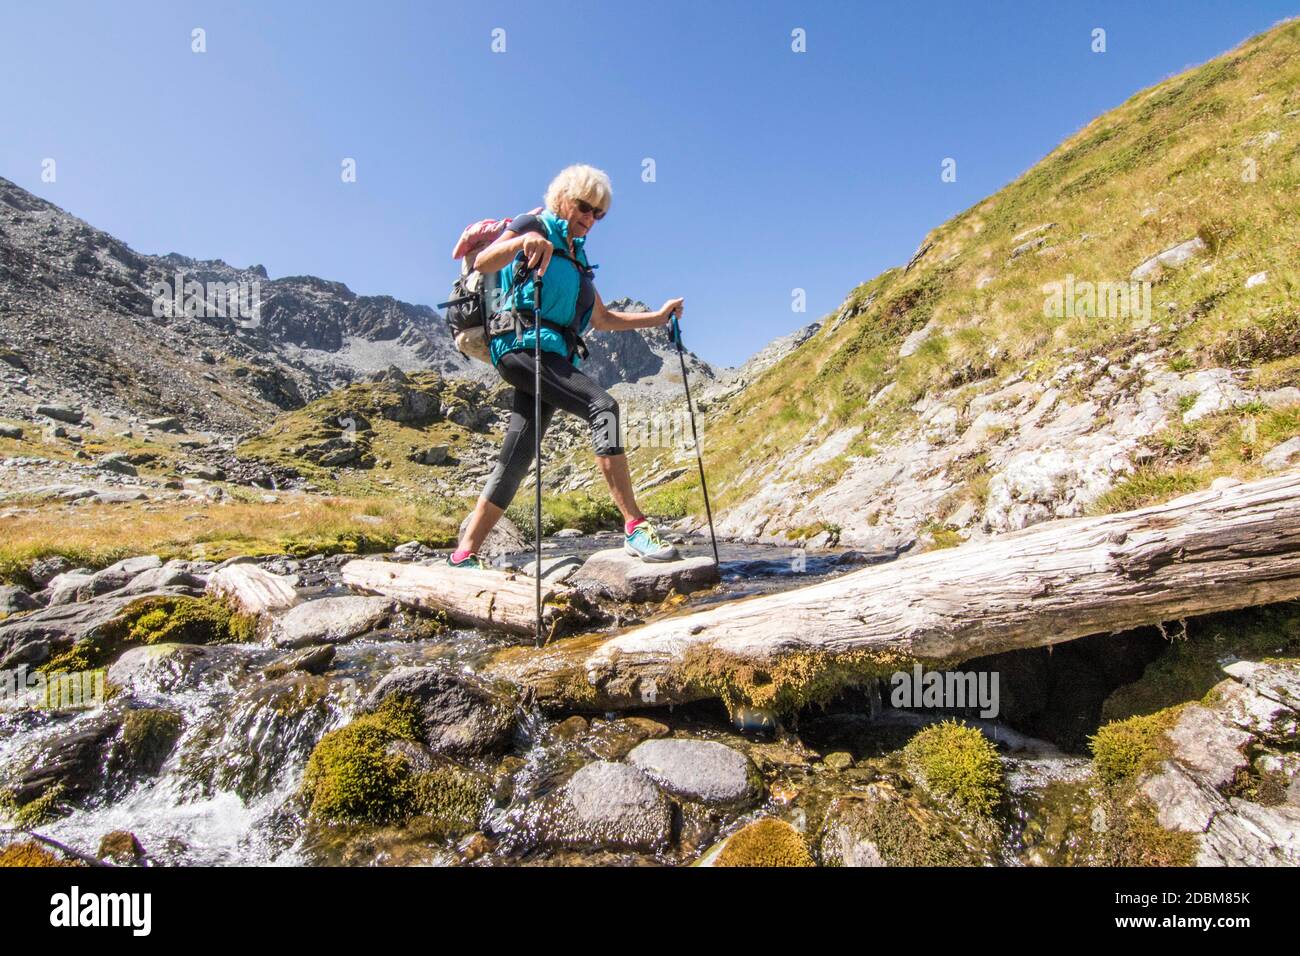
(603, 806)
(704, 771)
(504, 538)
(331, 620)
(460, 714)
(615, 574)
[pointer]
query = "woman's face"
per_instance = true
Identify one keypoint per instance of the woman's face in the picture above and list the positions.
(580, 222)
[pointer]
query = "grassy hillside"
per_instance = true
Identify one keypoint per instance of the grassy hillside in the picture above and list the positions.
(1211, 153)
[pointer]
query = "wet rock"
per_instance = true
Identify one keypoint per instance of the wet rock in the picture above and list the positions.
(34, 637)
(122, 848)
(619, 576)
(262, 738)
(609, 805)
(615, 739)
(158, 669)
(100, 755)
(461, 715)
(701, 770)
(331, 620)
(312, 660)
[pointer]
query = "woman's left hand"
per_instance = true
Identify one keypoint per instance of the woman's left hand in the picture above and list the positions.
(669, 308)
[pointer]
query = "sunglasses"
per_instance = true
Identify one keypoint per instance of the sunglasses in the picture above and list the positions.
(589, 210)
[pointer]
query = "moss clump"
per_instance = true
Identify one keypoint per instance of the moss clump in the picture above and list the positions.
(452, 797)
(766, 842)
(34, 813)
(158, 620)
(148, 736)
(1123, 749)
(31, 853)
(1136, 838)
(957, 763)
(902, 835)
(786, 683)
(353, 776)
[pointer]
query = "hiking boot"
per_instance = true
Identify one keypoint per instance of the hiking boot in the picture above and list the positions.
(644, 543)
(471, 560)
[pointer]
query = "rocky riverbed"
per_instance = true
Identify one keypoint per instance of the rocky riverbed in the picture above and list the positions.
(333, 727)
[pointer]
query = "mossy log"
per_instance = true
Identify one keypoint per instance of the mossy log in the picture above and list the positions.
(1202, 553)
(490, 599)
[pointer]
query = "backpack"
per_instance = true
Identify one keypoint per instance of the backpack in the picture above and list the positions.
(472, 303)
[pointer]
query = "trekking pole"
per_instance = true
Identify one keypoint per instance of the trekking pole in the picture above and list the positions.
(675, 333)
(537, 449)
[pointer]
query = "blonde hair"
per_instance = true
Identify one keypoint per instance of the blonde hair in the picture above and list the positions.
(579, 182)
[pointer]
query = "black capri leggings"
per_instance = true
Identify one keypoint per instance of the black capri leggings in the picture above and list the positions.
(563, 386)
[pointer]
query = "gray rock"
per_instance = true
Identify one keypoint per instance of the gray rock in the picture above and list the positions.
(44, 570)
(1279, 682)
(433, 455)
(1171, 258)
(702, 770)
(504, 538)
(613, 806)
(10, 431)
(66, 587)
(554, 570)
(620, 576)
(312, 660)
(110, 497)
(175, 574)
(1282, 456)
(1209, 746)
(166, 668)
(168, 423)
(62, 413)
(330, 620)
(14, 599)
(117, 575)
(116, 462)
(462, 715)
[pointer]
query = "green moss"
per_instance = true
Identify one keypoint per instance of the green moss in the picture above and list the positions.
(1191, 665)
(785, 683)
(158, 620)
(1136, 838)
(352, 777)
(452, 797)
(1123, 749)
(38, 812)
(902, 835)
(958, 764)
(148, 736)
(31, 853)
(766, 842)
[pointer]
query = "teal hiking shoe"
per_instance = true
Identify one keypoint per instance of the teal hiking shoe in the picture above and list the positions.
(472, 560)
(644, 543)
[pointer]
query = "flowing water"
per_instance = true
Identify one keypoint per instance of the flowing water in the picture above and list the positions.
(225, 794)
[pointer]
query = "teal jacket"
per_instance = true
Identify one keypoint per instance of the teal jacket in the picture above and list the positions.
(560, 288)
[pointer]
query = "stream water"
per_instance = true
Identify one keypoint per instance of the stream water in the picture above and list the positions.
(224, 795)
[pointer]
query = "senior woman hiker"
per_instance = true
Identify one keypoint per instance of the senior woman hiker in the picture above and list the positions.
(553, 243)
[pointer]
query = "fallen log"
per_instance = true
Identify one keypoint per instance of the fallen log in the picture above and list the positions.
(489, 599)
(1206, 552)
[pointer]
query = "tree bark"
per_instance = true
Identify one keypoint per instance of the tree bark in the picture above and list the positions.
(1206, 552)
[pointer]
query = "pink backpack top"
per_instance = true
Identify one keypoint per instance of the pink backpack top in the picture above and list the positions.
(482, 233)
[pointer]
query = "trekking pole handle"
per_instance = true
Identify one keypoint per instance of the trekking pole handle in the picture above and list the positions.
(674, 331)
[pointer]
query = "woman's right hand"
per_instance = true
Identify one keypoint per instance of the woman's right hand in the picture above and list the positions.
(537, 251)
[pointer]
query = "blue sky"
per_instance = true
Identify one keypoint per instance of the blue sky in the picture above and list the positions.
(775, 170)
